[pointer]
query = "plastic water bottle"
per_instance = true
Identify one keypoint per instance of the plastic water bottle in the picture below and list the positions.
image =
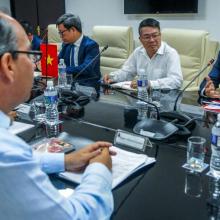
(142, 84)
(215, 141)
(51, 112)
(62, 81)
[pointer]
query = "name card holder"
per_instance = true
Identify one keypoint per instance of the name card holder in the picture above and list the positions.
(131, 140)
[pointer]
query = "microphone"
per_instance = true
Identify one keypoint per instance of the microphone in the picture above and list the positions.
(45, 36)
(155, 129)
(108, 86)
(90, 91)
(45, 41)
(177, 116)
(90, 63)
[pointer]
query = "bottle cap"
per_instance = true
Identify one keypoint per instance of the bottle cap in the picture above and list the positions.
(61, 61)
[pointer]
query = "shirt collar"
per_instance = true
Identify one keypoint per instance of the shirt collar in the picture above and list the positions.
(5, 120)
(78, 42)
(161, 48)
(160, 51)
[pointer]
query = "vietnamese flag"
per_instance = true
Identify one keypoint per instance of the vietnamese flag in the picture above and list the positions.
(49, 61)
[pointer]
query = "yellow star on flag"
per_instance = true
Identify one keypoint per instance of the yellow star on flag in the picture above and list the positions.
(49, 60)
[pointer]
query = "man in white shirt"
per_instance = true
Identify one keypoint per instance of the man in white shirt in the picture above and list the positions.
(160, 62)
(25, 190)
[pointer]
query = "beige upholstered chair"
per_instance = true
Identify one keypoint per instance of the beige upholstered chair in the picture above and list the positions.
(195, 49)
(53, 36)
(120, 45)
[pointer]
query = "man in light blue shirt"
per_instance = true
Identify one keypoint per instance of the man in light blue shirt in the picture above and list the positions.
(25, 190)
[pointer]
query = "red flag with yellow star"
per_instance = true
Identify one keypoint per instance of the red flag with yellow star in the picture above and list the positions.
(49, 61)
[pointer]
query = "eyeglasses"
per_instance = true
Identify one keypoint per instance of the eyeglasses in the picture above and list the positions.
(62, 32)
(34, 55)
(148, 37)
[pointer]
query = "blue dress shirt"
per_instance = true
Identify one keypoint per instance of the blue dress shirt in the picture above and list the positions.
(27, 193)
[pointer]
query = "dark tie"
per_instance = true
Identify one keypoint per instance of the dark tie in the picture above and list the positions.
(72, 55)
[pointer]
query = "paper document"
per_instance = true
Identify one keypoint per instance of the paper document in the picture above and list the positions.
(18, 127)
(211, 106)
(123, 165)
(123, 85)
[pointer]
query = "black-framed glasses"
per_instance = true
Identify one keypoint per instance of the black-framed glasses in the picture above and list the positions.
(62, 32)
(34, 55)
(147, 37)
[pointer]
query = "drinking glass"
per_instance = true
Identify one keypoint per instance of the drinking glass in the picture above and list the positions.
(69, 80)
(38, 111)
(196, 154)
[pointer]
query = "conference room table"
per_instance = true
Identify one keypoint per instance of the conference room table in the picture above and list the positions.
(163, 190)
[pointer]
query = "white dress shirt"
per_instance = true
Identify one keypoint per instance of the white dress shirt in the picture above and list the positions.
(76, 51)
(163, 69)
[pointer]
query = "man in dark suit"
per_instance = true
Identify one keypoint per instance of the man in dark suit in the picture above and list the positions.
(211, 83)
(78, 51)
(34, 39)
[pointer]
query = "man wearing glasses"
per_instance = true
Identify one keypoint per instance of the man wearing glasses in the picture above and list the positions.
(25, 190)
(78, 51)
(160, 62)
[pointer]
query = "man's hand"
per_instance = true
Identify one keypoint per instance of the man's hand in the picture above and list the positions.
(210, 89)
(134, 84)
(107, 79)
(104, 158)
(78, 160)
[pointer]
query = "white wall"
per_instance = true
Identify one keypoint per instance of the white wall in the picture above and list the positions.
(5, 4)
(111, 12)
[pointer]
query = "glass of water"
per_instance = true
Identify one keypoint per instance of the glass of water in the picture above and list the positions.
(69, 80)
(196, 154)
(38, 111)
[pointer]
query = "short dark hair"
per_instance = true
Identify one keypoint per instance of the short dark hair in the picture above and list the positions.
(27, 27)
(8, 38)
(70, 20)
(149, 22)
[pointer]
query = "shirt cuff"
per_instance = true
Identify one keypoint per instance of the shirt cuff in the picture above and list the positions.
(99, 169)
(202, 93)
(51, 162)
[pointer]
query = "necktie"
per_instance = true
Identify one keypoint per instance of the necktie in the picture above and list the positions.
(72, 48)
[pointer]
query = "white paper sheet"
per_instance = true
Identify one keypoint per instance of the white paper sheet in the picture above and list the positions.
(123, 165)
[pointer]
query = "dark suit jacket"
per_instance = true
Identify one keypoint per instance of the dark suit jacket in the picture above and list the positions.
(214, 76)
(87, 51)
(35, 44)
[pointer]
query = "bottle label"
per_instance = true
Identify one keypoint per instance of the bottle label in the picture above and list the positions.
(51, 99)
(142, 83)
(62, 70)
(215, 140)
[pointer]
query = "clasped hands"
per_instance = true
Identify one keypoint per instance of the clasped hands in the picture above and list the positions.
(96, 152)
(210, 90)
